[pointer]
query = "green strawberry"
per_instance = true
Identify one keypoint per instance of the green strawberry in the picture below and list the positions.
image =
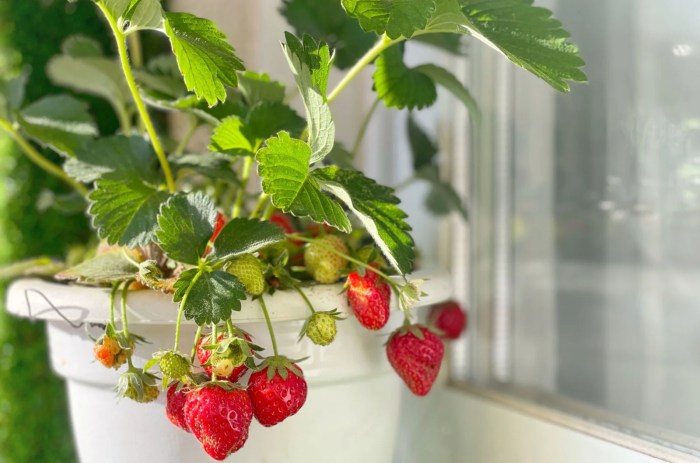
(321, 262)
(321, 327)
(174, 365)
(138, 386)
(248, 269)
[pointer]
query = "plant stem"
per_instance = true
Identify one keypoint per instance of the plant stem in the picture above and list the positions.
(120, 38)
(187, 137)
(38, 159)
(229, 327)
(269, 325)
(181, 310)
(245, 176)
(259, 206)
(303, 296)
(382, 44)
(125, 294)
(363, 129)
(215, 337)
(112, 303)
(269, 210)
(194, 346)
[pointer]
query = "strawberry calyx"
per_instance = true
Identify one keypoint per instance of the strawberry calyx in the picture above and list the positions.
(281, 365)
(137, 385)
(416, 329)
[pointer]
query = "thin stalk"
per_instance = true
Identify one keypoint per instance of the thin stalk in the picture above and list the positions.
(112, 303)
(382, 44)
(245, 176)
(229, 327)
(124, 119)
(269, 325)
(363, 129)
(187, 137)
(303, 296)
(269, 210)
(38, 159)
(215, 337)
(259, 206)
(181, 310)
(194, 346)
(120, 38)
(125, 294)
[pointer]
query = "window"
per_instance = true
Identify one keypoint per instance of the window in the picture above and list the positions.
(586, 224)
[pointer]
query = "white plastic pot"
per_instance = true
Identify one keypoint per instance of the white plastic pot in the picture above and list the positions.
(351, 413)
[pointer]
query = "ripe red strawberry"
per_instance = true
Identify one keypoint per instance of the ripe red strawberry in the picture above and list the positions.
(175, 406)
(416, 353)
(203, 355)
(449, 318)
(219, 419)
(277, 391)
(369, 297)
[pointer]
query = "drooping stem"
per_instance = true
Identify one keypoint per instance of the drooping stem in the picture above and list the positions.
(269, 210)
(120, 38)
(40, 160)
(196, 340)
(245, 175)
(303, 296)
(125, 294)
(215, 339)
(112, 303)
(181, 311)
(269, 325)
(193, 126)
(229, 327)
(363, 129)
(382, 44)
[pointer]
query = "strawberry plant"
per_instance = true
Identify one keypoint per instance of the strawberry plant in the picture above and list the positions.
(271, 204)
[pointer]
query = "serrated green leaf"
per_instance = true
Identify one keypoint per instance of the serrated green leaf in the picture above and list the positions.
(185, 225)
(442, 197)
(210, 165)
(400, 86)
(162, 83)
(310, 63)
(125, 211)
(118, 155)
(266, 119)
(449, 82)
(528, 36)
(395, 18)
(96, 76)
(81, 46)
(376, 207)
(258, 88)
(60, 122)
(451, 43)
(205, 59)
(327, 21)
(284, 169)
(423, 149)
(340, 156)
(105, 268)
(208, 297)
(447, 18)
(144, 14)
(117, 8)
(228, 138)
(12, 94)
(244, 236)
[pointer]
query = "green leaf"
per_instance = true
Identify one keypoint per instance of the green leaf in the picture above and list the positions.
(81, 46)
(528, 36)
(125, 211)
(12, 94)
(36, 266)
(144, 14)
(185, 225)
(212, 165)
(284, 168)
(105, 268)
(400, 86)
(442, 198)
(117, 8)
(423, 148)
(310, 63)
(328, 21)
(243, 236)
(58, 121)
(449, 82)
(208, 297)
(164, 84)
(257, 88)
(451, 43)
(395, 18)
(228, 138)
(447, 18)
(376, 207)
(266, 119)
(120, 156)
(340, 156)
(205, 59)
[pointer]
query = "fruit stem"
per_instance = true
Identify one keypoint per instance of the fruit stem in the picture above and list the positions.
(245, 175)
(229, 327)
(382, 44)
(125, 294)
(40, 160)
(303, 296)
(269, 325)
(112, 302)
(215, 339)
(194, 346)
(181, 310)
(363, 129)
(182, 146)
(120, 39)
(259, 206)
(269, 210)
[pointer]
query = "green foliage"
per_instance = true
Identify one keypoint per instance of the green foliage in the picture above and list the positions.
(185, 224)
(208, 297)
(447, 80)
(205, 59)
(102, 269)
(259, 88)
(244, 236)
(400, 86)
(395, 18)
(115, 157)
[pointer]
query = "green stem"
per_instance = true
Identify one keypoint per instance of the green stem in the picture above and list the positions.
(404, 183)
(269, 210)
(194, 346)
(181, 310)
(187, 137)
(215, 338)
(229, 327)
(303, 296)
(245, 176)
(124, 118)
(363, 129)
(120, 38)
(40, 160)
(125, 294)
(112, 303)
(269, 325)
(381, 45)
(259, 206)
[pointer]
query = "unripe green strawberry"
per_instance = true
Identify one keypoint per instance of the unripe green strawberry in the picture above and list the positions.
(174, 365)
(322, 263)
(249, 271)
(321, 328)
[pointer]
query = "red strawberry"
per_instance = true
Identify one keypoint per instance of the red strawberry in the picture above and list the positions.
(369, 297)
(277, 391)
(203, 355)
(175, 406)
(449, 318)
(219, 419)
(416, 353)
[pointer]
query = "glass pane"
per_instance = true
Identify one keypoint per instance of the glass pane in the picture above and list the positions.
(606, 217)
